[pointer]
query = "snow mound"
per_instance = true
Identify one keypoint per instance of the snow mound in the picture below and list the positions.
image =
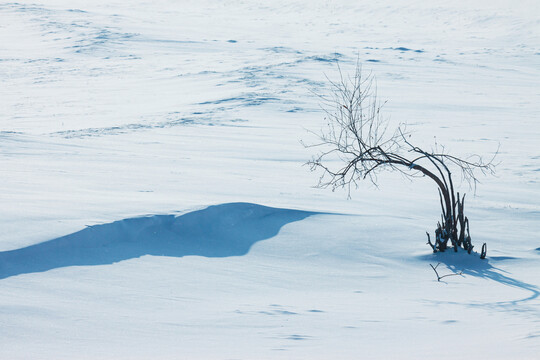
(216, 231)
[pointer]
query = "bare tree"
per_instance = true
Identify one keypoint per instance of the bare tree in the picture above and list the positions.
(358, 143)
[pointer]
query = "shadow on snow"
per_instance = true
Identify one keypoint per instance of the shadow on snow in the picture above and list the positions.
(217, 231)
(472, 265)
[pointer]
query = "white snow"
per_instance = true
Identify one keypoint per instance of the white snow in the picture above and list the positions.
(154, 202)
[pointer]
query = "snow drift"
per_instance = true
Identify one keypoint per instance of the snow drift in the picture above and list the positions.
(217, 231)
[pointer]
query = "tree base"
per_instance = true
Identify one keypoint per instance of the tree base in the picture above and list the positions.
(441, 246)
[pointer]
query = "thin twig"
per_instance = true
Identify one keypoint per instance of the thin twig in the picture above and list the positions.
(440, 277)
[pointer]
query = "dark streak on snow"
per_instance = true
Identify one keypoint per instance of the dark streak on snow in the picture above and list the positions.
(297, 337)
(404, 49)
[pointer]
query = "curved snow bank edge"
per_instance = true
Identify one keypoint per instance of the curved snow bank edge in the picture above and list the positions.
(216, 231)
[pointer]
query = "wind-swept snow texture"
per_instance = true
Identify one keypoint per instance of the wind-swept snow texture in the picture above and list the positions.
(154, 204)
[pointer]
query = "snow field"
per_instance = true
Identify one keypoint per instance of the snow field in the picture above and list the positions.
(173, 129)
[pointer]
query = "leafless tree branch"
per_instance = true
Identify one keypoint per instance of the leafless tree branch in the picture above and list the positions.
(358, 143)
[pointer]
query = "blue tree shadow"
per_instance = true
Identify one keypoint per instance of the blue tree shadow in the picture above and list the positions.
(217, 231)
(472, 265)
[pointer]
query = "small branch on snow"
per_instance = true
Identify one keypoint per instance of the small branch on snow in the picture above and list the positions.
(440, 277)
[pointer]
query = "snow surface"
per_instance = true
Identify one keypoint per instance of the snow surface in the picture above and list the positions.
(154, 202)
